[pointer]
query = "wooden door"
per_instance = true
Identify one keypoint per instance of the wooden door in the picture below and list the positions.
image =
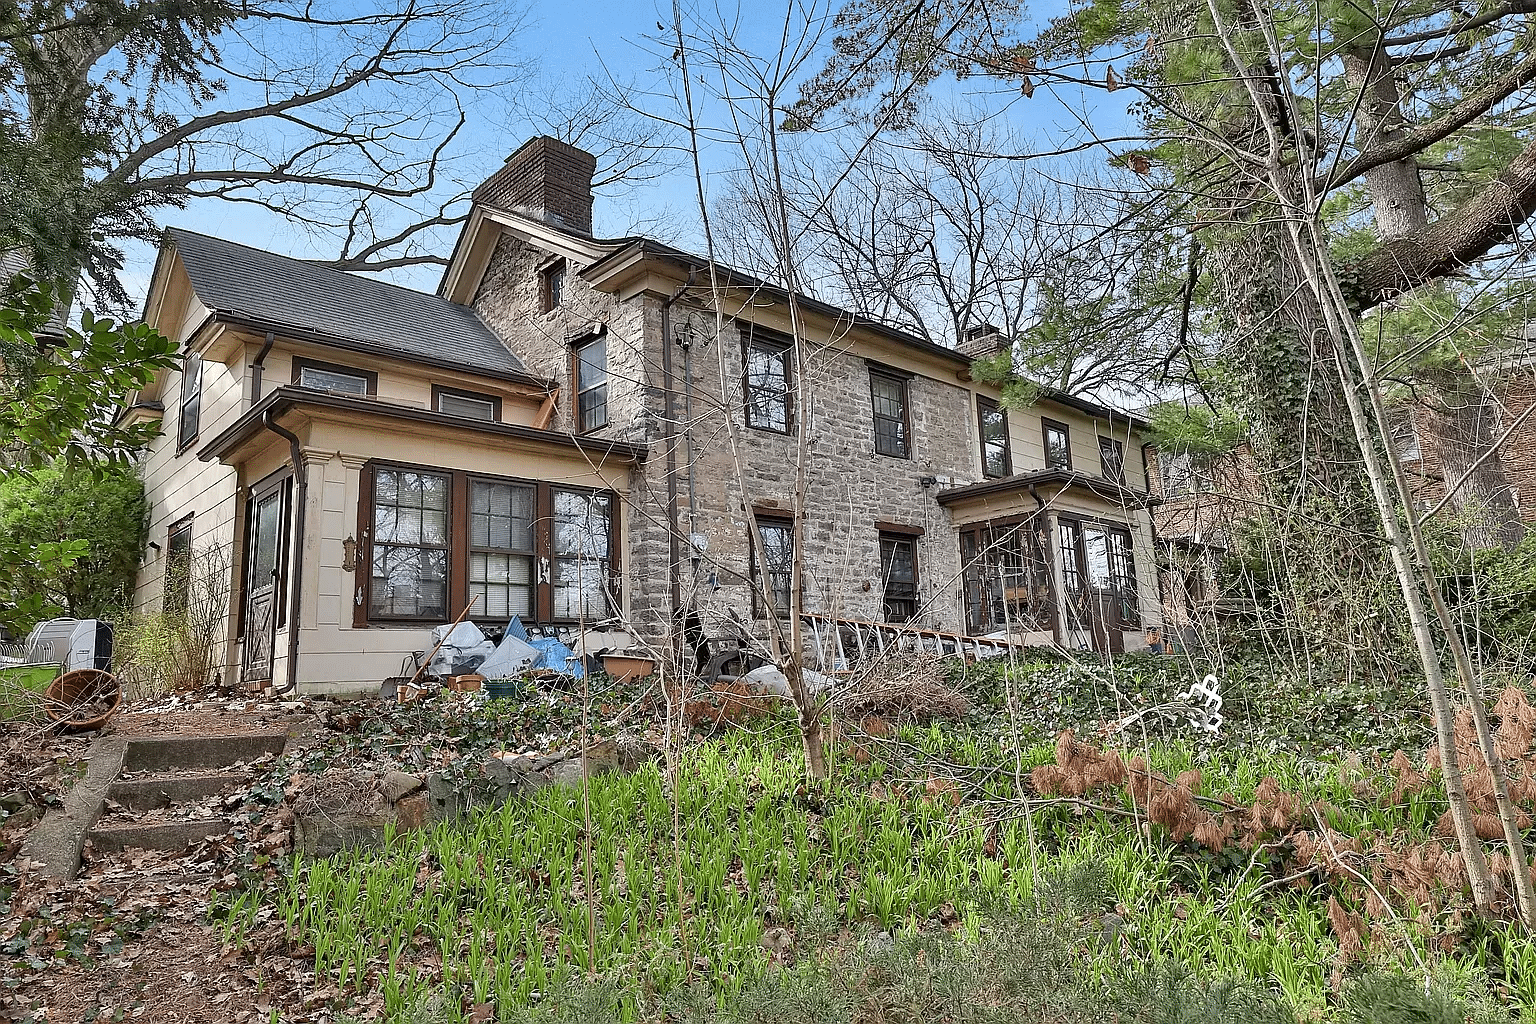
(264, 575)
(1100, 583)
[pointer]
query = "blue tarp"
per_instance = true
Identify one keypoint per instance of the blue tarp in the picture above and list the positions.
(555, 656)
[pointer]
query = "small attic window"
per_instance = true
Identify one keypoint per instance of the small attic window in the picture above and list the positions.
(552, 285)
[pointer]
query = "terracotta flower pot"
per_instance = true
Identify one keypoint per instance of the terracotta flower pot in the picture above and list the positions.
(83, 699)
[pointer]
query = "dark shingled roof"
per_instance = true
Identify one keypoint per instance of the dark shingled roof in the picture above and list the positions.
(266, 289)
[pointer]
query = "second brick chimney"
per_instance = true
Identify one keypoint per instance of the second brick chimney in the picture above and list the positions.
(547, 179)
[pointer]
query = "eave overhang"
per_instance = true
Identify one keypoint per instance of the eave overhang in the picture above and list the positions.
(292, 398)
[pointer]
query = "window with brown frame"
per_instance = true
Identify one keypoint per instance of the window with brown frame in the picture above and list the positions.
(591, 372)
(439, 538)
(1058, 444)
(893, 428)
(345, 380)
(767, 378)
(898, 573)
(469, 404)
(178, 567)
(410, 540)
(1097, 557)
(992, 425)
(773, 567)
(187, 421)
(1006, 576)
(1112, 459)
(552, 286)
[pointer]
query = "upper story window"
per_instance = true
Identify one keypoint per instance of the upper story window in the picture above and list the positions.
(992, 425)
(1112, 459)
(1403, 434)
(469, 404)
(1058, 444)
(592, 384)
(343, 380)
(552, 285)
(767, 379)
(187, 424)
(893, 430)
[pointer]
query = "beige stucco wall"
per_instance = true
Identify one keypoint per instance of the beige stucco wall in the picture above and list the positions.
(334, 655)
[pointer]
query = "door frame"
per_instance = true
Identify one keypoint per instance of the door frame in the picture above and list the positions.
(280, 484)
(1097, 611)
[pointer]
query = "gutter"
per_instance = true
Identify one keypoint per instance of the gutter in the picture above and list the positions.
(295, 550)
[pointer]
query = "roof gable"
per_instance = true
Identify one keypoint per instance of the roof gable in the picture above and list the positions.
(241, 283)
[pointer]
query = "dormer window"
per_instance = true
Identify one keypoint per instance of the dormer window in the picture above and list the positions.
(342, 380)
(552, 285)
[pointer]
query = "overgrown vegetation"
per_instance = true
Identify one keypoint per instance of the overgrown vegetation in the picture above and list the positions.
(70, 541)
(943, 872)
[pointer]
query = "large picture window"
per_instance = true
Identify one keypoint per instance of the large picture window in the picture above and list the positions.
(767, 380)
(888, 396)
(581, 541)
(410, 545)
(443, 538)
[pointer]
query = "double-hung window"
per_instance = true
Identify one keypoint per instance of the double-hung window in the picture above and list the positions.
(501, 548)
(898, 572)
(191, 401)
(410, 545)
(774, 565)
(992, 425)
(767, 380)
(178, 567)
(592, 384)
(443, 539)
(893, 428)
(1058, 444)
(1112, 459)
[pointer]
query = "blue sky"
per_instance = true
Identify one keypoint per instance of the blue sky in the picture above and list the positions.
(575, 40)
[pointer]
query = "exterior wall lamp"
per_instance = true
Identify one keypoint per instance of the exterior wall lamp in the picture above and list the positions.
(349, 555)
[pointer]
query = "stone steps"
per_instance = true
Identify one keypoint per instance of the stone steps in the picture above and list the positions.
(165, 835)
(176, 769)
(181, 753)
(152, 792)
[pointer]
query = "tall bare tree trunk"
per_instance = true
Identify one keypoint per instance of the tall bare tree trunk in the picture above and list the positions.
(1462, 417)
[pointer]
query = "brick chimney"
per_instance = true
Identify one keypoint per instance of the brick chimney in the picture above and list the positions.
(547, 179)
(982, 341)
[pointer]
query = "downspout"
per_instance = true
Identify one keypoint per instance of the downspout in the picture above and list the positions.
(669, 383)
(1050, 554)
(296, 563)
(258, 366)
